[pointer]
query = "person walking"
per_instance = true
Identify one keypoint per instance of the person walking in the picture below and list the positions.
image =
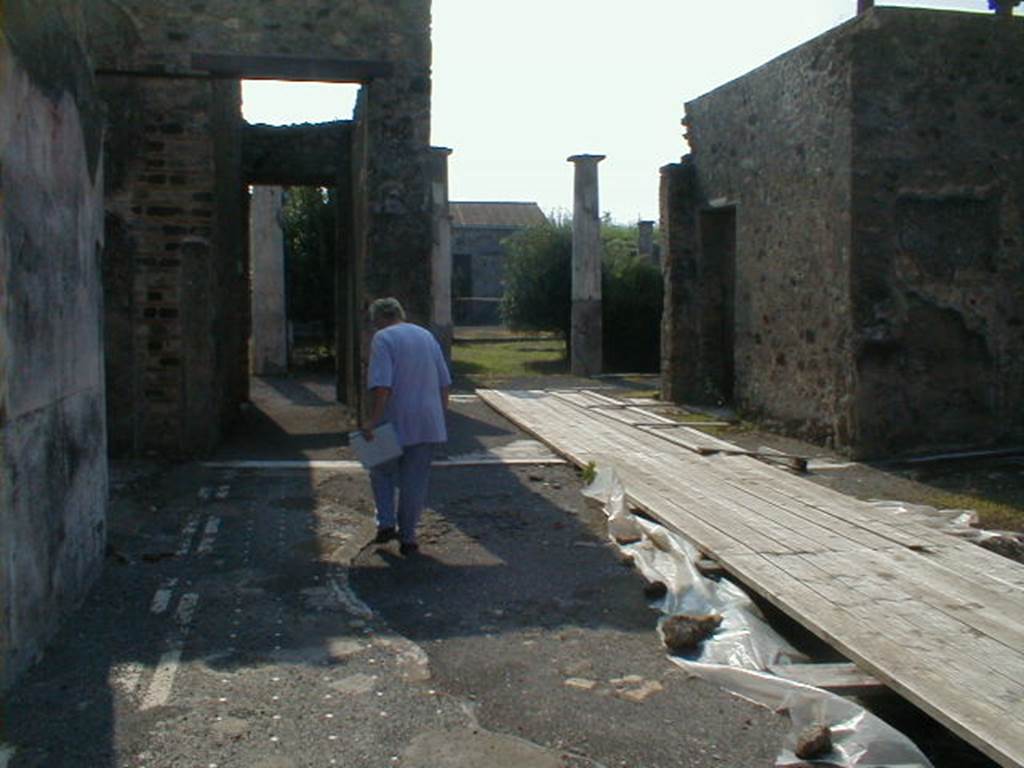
(409, 383)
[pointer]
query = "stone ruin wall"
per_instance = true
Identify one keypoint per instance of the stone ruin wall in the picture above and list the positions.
(938, 200)
(775, 144)
(53, 470)
(178, 263)
(877, 175)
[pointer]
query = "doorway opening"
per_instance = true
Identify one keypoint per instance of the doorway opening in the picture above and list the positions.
(293, 246)
(286, 102)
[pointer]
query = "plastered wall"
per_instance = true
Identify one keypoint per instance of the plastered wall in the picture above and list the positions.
(53, 470)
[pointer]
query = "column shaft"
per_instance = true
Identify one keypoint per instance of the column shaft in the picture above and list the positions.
(586, 332)
(269, 345)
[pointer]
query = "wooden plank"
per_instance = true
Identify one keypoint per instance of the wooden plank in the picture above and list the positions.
(930, 616)
(835, 505)
(893, 662)
(689, 438)
(887, 598)
(992, 611)
(978, 564)
(853, 521)
(842, 678)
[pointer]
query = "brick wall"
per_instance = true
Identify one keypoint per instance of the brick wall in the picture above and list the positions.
(162, 203)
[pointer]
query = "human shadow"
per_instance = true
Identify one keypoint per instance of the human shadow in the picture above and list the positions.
(512, 546)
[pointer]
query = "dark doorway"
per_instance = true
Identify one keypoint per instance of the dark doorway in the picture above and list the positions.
(309, 223)
(718, 260)
(292, 237)
(462, 287)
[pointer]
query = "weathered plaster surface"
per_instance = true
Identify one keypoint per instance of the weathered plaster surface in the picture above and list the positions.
(938, 221)
(53, 472)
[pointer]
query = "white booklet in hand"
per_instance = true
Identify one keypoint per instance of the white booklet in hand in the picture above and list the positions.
(383, 447)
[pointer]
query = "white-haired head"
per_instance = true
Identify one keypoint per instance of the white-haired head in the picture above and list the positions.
(384, 312)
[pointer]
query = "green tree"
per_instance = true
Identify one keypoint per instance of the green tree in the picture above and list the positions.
(308, 222)
(538, 279)
(538, 291)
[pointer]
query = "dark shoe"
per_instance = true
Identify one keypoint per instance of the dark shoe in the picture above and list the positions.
(409, 548)
(384, 535)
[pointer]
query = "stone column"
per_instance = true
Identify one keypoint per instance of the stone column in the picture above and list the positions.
(586, 334)
(269, 346)
(681, 361)
(645, 241)
(441, 255)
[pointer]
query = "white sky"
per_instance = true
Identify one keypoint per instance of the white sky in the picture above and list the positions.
(519, 85)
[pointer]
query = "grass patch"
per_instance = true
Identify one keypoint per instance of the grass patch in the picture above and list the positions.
(993, 514)
(499, 333)
(481, 364)
(993, 490)
(646, 394)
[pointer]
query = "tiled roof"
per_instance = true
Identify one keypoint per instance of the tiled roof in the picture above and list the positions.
(510, 215)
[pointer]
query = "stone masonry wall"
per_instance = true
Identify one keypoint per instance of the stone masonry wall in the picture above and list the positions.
(296, 155)
(147, 35)
(775, 144)
(938, 257)
(53, 471)
(176, 214)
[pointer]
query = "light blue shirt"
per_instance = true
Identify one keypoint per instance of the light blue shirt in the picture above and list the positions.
(407, 359)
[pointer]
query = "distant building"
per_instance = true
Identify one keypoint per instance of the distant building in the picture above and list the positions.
(845, 244)
(478, 257)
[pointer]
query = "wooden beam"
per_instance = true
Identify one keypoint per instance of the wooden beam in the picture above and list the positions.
(844, 678)
(291, 68)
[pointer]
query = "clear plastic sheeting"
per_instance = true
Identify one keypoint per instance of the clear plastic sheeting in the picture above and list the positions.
(740, 651)
(956, 522)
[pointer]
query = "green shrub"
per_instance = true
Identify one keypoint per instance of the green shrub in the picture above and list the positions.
(631, 316)
(308, 222)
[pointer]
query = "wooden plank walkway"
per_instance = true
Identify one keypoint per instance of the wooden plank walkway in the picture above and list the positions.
(937, 619)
